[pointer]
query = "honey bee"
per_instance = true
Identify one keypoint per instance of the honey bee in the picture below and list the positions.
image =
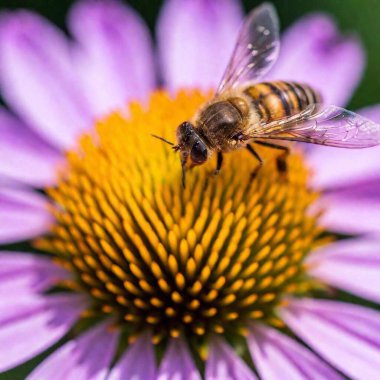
(243, 112)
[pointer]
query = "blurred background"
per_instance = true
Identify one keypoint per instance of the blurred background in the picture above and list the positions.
(352, 16)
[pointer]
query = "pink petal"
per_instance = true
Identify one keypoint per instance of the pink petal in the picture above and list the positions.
(6, 182)
(371, 112)
(26, 273)
(87, 357)
(313, 52)
(138, 362)
(31, 324)
(195, 41)
(364, 190)
(345, 335)
(277, 356)
(115, 56)
(351, 216)
(224, 363)
(177, 363)
(24, 156)
(336, 168)
(353, 266)
(37, 78)
(23, 215)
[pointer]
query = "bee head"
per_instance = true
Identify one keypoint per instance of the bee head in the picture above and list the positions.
(193, 149)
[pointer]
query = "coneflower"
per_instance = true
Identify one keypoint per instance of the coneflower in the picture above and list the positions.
(227, 279)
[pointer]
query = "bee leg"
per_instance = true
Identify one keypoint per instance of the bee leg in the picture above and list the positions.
(282, 166)
(219, 162)
(256, 155)
(183, 163)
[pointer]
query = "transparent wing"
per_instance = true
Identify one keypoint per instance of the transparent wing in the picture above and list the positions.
(256, 49)
(324, 125)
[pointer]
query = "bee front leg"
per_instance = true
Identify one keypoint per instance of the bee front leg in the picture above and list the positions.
(281, 163)
(257, 156)
(219, 162)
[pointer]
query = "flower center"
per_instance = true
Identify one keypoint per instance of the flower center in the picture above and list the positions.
(207, 259)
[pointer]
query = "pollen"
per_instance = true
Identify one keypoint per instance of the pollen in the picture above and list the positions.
(207, 259)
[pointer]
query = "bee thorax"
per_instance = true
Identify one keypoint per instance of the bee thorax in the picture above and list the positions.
(221, 120)
(240, 104)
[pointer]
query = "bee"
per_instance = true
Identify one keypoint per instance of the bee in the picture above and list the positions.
(244, 113)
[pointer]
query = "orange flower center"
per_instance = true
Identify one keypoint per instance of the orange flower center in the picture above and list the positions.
(207, 259)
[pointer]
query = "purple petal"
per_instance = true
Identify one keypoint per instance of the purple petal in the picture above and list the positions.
(195, 41)
(23, 215)
(371, 112)
(115, 56)
(313, 52)
(351, 216)
(24, 156)
(31, 324)
(87, 357)
(138, 362)
(337, 168)
(224, 363)
(37, 78)
(277, 356)
(26, 273)
(345, 335)
(177, 363)
(7, 182)
(363, 190)
(353, 266)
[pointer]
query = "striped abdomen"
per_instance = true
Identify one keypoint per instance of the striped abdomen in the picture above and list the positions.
(277, 100)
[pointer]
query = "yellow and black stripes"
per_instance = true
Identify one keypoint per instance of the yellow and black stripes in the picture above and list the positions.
(278, 100)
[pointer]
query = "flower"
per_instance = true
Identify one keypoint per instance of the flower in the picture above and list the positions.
(134, 266)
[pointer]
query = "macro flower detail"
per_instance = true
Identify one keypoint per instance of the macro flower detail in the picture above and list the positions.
(150, 253)
(233, 277)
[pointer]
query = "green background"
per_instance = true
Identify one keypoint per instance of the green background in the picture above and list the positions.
(357, 16)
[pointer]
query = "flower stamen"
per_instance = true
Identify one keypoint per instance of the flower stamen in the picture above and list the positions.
(206, 259)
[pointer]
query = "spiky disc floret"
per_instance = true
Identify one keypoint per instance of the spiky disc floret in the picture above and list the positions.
(210, 258)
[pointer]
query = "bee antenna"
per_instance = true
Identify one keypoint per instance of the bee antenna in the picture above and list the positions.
(162, 139)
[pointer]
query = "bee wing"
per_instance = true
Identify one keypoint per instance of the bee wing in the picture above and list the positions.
(256, 49)
(325, 125)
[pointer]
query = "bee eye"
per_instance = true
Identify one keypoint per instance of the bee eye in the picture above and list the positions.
(198, 152)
